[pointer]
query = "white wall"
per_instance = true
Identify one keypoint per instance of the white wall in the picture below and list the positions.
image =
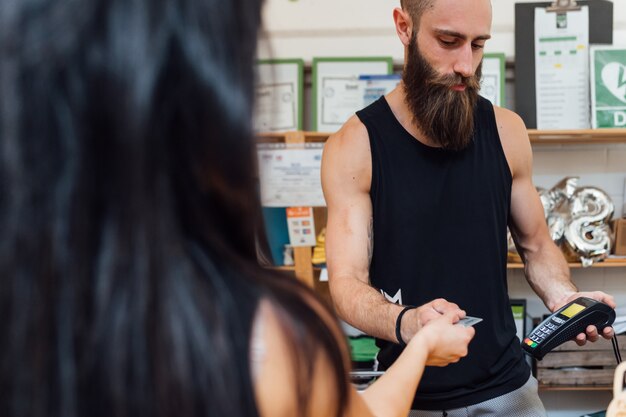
(308, 28)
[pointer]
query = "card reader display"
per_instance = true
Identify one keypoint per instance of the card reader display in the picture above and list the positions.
(570, 320)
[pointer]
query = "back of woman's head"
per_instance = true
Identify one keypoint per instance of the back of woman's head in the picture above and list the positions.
(127, 207)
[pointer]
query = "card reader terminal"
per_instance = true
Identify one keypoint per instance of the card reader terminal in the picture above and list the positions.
(566, 323)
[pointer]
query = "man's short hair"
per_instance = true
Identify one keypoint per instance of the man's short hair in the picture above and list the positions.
(416, 8)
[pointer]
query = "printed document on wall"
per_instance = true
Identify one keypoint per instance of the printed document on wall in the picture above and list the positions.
(562, 69)
(275, 109)
(290, 174)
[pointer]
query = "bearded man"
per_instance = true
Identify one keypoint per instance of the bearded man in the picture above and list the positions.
(421, 186)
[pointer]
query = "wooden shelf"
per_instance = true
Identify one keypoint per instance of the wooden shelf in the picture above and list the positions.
(284, 268)
(537, 137)
(292, 268)
(569, 137)
(607, 263)
(292, 137)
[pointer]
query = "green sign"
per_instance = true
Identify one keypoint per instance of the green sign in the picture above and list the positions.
(518, 312)
(608, 86)
(519, 315)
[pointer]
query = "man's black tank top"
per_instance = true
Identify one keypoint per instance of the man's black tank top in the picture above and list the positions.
(440, 220)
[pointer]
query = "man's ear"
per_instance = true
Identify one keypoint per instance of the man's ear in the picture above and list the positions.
(404, 25)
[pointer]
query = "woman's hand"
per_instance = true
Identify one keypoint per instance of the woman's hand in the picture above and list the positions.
(445, 342)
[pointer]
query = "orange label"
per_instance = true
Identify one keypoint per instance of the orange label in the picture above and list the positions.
(298, 212)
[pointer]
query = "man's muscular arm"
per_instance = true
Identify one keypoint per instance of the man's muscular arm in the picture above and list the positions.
(545, 267)
(346, 179)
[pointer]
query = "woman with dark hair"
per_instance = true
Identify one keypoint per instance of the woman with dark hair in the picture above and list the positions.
(129, 283)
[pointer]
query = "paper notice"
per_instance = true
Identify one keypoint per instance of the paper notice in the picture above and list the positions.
(562, 69)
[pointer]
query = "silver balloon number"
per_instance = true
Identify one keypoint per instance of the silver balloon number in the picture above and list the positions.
(556, 208)
(578, 219)
(587, 234)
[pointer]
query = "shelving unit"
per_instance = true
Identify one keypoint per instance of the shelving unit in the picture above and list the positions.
(304, 269)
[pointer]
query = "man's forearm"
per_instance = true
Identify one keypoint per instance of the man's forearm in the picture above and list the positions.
(363, 307)
(548, 274)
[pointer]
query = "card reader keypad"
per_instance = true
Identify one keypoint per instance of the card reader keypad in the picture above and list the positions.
(564, 324)
(544, 331)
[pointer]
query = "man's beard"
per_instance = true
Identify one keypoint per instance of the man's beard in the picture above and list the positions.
(444, 115)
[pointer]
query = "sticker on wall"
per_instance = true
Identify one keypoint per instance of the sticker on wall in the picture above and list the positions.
(301, 226)
(608, 86)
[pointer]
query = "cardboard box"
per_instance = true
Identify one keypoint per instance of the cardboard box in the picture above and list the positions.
(620, 237)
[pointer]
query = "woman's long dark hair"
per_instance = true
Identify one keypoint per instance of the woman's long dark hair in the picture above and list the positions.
(128, 206)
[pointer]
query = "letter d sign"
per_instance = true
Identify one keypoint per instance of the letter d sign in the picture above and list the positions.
(619, 119)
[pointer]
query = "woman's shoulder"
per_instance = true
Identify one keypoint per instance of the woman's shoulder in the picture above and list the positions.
(291, 378)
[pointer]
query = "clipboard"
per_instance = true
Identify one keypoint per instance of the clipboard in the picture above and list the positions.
(600, 32)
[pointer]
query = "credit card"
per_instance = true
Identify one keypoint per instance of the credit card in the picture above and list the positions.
(469, 321)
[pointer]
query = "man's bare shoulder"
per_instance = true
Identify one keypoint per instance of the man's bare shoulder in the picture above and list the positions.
(510, 124)
(514, 138)
(352, 135)
(347, 155)
(350, 146)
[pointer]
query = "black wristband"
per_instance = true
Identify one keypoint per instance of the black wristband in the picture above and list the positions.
(401, 342)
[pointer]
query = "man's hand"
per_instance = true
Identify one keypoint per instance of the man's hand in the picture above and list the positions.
(446, 343)
(591, 331)
(415, 319)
